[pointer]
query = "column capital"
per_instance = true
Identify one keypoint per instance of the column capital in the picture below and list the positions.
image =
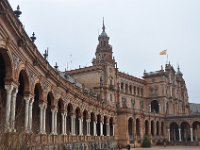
(53, 110)
(26, 100)
(31, 101)
(73, 115)
(9, 87)
(28, 95)
(88, 120)
(42, 105)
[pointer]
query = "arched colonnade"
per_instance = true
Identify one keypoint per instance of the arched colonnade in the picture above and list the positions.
(31, 107)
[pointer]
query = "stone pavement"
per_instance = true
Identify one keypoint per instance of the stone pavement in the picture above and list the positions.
(169, 148)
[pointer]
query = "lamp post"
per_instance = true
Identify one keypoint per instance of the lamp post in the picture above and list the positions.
(149, 130)
(134, 126)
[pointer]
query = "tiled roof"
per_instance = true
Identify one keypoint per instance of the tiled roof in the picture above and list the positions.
(195, 108)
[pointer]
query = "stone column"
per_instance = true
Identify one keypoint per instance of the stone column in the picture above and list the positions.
(13, 104)
(56, 121)
(80, 126)
(179, 131)
(44, 117)
(197, 132)
(53, 121)
(113, 130)
(27, 100)
(63, 123)
(168, 135)
(95, 128)
(191, 134)
(108, 129)
(30, 115)
(88, 126)
(9, 89)
(41, 117)
(101, 129)
(73, 117)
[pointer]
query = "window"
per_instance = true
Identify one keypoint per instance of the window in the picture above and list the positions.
(111, 97)
(124, 104)
(111, 82)
(122, 86)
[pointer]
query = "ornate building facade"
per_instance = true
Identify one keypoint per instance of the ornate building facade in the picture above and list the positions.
(87, 108)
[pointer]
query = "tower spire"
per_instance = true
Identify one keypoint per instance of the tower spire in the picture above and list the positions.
(103, 26)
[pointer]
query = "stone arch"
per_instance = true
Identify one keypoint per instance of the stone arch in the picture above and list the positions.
(155, 106)
(92, 123)
(59, 115)
(98, 124)
(50, 100)
(22, 72)
(196, 130)
(22, 95)
(130, 129)
(5, 74)
(105, 121)
(174, 133)
(70, 112)
(138, 127)
(85, 117)
(111, 126)
(6, 63)
(185, 131)
(36, 109)
(77, 122)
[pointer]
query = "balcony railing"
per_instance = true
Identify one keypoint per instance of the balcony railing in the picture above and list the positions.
(35, 140)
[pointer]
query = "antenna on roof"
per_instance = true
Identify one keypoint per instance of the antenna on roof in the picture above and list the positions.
(67, 66)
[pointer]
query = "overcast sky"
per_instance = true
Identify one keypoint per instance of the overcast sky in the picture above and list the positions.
(138, 31)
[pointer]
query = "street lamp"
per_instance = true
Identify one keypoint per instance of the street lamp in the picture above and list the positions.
(134, 122)
(149, 125)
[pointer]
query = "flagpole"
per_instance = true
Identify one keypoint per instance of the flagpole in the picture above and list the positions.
(167, 59)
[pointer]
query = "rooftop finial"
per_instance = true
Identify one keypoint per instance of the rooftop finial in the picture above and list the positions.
(178, 68)
(103, 25)
(18, 12)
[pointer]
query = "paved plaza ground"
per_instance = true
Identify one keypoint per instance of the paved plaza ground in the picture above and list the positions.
(170, 148)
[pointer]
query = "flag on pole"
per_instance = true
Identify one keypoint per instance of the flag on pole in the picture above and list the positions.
(163, 52)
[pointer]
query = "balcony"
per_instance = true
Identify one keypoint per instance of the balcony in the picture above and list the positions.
(40, 140)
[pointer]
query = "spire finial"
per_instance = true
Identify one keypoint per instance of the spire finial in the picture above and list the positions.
(178, 68)
(103, 25)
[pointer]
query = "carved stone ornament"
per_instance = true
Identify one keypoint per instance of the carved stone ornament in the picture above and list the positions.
(16, 61)
(21, 42)
(32, 76)
(44, 85)
(56, 92)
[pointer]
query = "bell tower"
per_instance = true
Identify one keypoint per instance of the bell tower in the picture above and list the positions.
(104, 50)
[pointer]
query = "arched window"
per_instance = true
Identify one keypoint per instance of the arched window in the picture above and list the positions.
(174, 134)
(130, 129)
(146, 127)
(155, 106)
(138, 127)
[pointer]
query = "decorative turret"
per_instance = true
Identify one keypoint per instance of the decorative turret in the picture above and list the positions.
(103, 50)
(179, 72)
